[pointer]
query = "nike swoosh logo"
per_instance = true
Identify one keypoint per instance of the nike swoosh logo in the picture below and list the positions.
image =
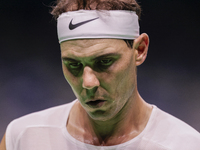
(73, 26)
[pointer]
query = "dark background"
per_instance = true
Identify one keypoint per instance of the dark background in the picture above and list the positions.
(30, 68)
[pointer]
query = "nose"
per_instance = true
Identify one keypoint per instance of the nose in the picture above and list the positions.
(89, 79)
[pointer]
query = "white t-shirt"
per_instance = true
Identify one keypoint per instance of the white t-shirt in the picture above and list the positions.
(46, 130)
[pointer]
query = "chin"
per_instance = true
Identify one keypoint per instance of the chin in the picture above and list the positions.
(100, 116)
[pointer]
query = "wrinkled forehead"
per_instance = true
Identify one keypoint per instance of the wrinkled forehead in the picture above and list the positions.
(87, 43)
(89, 47)
(84, 42)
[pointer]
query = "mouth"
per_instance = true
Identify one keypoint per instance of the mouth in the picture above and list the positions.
(96, 103)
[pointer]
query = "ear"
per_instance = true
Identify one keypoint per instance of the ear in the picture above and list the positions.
(141, 45)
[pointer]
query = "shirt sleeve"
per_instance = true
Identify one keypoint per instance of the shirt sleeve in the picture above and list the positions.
(10, 137)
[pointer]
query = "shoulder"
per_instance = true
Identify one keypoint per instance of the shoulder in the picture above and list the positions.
(44, 117)
(172, 132)
(168, 121)
(54, 117)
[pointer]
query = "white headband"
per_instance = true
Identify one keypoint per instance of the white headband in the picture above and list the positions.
(82, 24)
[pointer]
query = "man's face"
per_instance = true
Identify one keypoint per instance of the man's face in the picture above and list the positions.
(102, 74)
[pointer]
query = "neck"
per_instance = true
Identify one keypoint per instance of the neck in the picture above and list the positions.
(126, 125)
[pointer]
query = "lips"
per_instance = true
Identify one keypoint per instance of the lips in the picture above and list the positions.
(95, 103)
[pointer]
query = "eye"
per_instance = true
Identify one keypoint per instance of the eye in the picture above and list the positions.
(103, 64)
(106, 62)
(75, 65)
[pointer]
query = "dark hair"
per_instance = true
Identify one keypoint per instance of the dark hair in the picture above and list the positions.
(129, 43)
(73, 5)
(62, 6)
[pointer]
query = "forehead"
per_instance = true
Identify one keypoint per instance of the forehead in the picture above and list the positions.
(91, 47)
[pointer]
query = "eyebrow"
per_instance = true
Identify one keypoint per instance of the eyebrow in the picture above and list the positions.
(96, 58)
(68, 59)
(106, 55)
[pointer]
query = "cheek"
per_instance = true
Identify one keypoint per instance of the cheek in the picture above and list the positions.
(121, 71)
(123, 79)
(66, 74)
(126, 80)
(73, 81)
